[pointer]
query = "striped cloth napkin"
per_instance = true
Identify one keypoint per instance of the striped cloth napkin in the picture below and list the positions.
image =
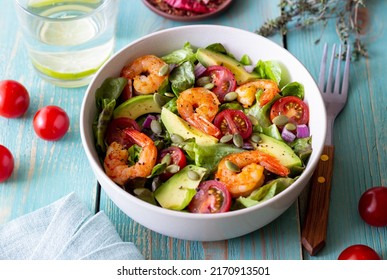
(64, 230)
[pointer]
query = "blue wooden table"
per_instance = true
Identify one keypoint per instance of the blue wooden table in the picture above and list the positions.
(45, 171)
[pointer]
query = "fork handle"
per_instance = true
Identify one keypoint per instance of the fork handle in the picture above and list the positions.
(315, 225)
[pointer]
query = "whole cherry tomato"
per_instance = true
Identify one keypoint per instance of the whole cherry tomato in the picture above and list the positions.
(14, 99)
(6, 163)
(373, 206)
(51, 123)
(359, 252)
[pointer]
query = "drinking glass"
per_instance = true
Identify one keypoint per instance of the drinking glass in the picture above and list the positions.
(68, 40)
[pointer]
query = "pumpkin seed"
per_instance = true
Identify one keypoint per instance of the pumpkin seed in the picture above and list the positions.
(156, 182)
(237, 140)
(226, 138)
(156, 127)
(290, 126)
(255, 138)
(194, 176)
(209, 86)
(232, 166)
(160, 99)
(175, 138)
(254, 120)
(202, 81)
(167, 159)
(231, 96)
(173, 168)
(169, 94)
(280, 120)
(164, 70)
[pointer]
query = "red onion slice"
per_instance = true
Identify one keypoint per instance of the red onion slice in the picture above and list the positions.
(287, 135)
(302, 131)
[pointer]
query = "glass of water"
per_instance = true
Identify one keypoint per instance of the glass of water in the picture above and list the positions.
(68, 40)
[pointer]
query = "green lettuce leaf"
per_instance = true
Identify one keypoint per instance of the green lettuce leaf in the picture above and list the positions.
(209, 156)
(293, 89)
(106, 98)
(182, 77)
(269, 70)
(180, 56)
(265, 192)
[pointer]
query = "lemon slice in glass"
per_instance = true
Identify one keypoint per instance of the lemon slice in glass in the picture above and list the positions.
(72, 66)
(45, 3)
(67, 33)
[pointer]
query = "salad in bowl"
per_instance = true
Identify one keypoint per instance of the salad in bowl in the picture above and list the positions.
(201, 130)
(203, 137)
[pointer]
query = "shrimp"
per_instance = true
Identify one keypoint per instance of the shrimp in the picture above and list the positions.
(246, 92)
(199, 106)
(145, 73)
(115, 162)
(251, 174)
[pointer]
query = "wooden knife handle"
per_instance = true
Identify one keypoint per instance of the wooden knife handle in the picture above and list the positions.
(315, 225)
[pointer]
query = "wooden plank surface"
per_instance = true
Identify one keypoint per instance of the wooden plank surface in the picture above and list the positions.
(44, 171)
(359, 134)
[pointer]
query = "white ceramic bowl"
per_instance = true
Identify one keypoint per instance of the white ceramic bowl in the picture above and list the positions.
(205, 227)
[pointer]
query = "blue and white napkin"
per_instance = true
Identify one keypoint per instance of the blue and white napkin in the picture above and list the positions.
(64, 230)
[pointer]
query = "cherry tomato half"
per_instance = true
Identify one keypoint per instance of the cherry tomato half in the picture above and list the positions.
(177, 157)
(114, 132)
(232, 121)
(14, 99)
(6, 163)
(212, 197)
(223, 80)
(293, 107)
(359, 252)
(373, 206)
(51, 123)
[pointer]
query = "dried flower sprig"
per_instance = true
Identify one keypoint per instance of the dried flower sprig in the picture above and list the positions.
(304, 13)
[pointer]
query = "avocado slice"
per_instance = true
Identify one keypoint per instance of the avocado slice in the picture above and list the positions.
(177, 192)
(137, 106)
(280, 150)
(176, 125)
(208, 58)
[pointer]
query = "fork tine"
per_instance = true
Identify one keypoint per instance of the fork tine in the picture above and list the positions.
(330, 71)
(321, 77)
(338, 73)
(344, 89)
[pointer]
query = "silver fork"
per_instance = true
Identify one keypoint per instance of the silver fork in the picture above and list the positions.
(315, 225)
